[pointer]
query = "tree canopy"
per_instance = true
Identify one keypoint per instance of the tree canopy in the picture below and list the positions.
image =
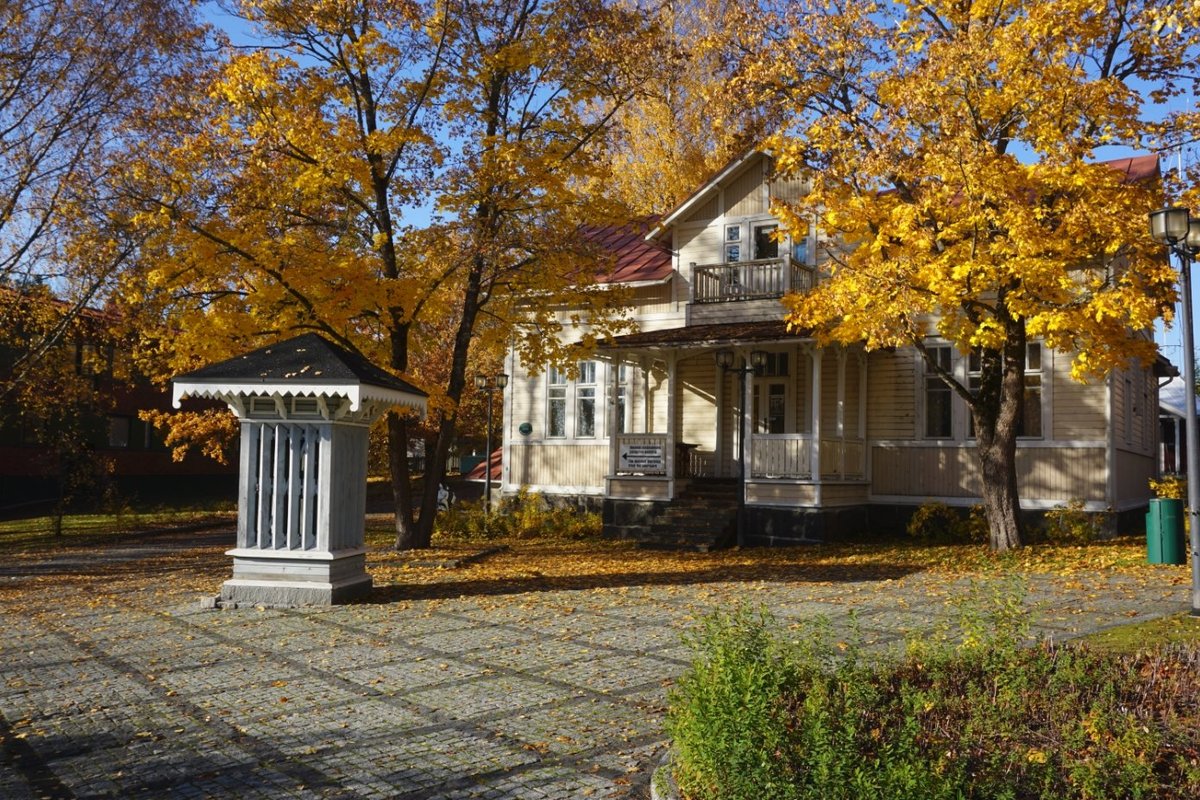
(404, 177)
(951, 149)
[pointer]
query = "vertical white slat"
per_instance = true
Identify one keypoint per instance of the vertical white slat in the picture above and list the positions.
(248, 485)
(266, 475)
(295, 488)
(324, 480)
(312, 445)
(279, 509)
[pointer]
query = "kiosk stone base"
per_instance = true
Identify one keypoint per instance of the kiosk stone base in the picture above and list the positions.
(289, 580)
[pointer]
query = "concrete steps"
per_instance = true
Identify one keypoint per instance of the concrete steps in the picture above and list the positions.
(703, 517)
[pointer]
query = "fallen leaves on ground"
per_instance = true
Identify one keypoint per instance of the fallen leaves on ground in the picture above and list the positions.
(180, 574)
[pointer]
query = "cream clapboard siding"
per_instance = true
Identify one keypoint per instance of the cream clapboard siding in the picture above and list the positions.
(1134, 471)
(698, 245)
(1044, 473)
(706, 212)
(801, 368)
(891, 395)
(781, 493)
(1078, 412)
(788, 190)
(744, 194)
(577, 466)
(696, 411)
(653, 300)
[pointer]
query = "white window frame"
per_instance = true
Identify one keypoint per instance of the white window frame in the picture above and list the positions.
(586, 387)
(931, 380)
(961, 422)
(557, 391)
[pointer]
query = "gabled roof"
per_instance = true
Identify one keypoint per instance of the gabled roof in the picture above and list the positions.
(636, 260)
(704, 190)
(302, 366)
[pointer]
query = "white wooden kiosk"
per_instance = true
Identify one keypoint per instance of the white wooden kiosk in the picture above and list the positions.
(305, 407)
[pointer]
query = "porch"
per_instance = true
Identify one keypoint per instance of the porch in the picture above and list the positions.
(748, 402)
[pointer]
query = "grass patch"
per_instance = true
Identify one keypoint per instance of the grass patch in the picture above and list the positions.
(37, 533)
(1177, 629)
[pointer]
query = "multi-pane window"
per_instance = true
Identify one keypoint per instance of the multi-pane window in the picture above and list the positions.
(765, 243)
(585, 400)
(556, 404)
(776, 366)
(1030, 424)
(733, 243)
(938, 396)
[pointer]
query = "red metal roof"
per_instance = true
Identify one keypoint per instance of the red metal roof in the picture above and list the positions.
(634, 259)
(1137, 168)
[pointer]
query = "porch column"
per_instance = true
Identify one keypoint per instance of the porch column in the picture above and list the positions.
(614, 368)
(816, 354)
(645, 365)
(841, 412)
(862, 413)
(746, 422)
(672, 401)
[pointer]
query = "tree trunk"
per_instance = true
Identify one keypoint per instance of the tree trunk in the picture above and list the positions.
(997, 410)
(406, 530)
(998, 465)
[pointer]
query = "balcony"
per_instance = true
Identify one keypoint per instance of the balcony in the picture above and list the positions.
(764, 279)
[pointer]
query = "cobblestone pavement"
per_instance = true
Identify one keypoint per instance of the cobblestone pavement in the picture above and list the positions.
(552, 694)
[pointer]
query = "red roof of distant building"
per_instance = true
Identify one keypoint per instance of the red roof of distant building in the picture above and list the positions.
(1136, 168)
(496, 462)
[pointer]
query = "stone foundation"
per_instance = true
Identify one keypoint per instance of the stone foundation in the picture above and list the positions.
(290, 579)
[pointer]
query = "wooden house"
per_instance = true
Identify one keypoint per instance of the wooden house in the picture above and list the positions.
(664, 427)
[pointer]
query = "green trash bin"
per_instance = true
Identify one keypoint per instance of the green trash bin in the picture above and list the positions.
(1164, 532)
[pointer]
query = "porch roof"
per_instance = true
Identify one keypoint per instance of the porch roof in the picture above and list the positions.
(725, 333)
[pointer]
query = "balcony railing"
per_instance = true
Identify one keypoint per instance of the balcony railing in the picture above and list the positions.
(764, 279)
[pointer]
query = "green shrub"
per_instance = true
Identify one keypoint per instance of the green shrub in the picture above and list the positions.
(526, 515)
(938, 523)
(976, 715)
(728, 717)
(1071, 524)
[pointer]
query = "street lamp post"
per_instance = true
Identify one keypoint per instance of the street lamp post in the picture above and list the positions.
(1180, 232)
(725, 360)
(489, 383)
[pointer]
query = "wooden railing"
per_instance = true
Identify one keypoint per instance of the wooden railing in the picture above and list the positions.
(789, 455)
(781, 455)
(749, 280)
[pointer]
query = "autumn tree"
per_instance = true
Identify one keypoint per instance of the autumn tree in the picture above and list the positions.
(372, 169)
(951, 150)
(683, 123)
(71, 73)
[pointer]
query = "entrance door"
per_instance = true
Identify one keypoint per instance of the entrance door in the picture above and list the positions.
(770, 406)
